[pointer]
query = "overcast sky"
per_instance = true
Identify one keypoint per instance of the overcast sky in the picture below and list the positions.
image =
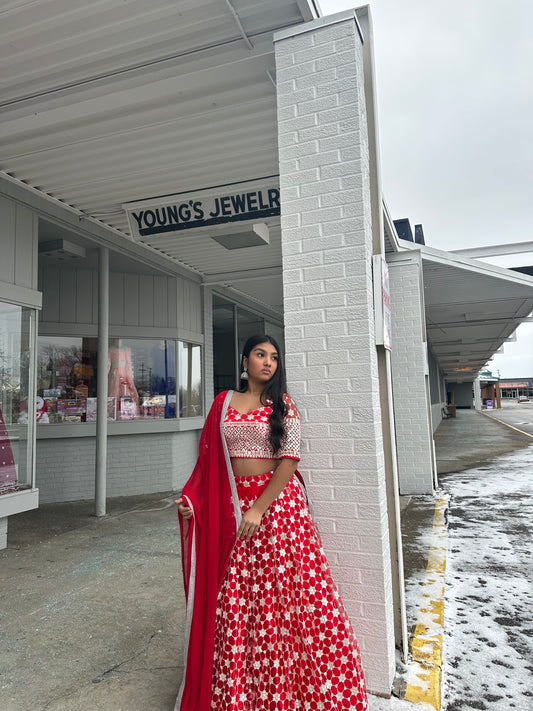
(455, 103)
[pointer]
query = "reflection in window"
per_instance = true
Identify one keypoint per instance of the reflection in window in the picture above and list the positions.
(141, 377)
(190, 388)
(66, 378)
(15, 461)
(248, 324)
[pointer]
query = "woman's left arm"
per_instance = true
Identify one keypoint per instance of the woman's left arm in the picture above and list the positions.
(251, 519)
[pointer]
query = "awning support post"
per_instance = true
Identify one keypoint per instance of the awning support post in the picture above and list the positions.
(101, 391)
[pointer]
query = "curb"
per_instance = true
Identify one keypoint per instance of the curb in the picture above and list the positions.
(424, 670)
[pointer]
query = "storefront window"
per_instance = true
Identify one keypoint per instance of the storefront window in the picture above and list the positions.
(248, 324)
(141, 377)
(232, 326)
(190, 388)
(224, 354)
(15, 368)
(66, 379)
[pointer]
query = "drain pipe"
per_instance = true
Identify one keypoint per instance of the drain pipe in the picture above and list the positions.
(396, 487)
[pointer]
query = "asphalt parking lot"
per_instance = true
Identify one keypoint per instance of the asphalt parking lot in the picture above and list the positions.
(516, 414)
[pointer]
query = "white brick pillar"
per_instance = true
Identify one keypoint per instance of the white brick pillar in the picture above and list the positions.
(329, 328)
(414, 437)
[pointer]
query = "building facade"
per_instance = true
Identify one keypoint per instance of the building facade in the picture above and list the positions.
(160, 206)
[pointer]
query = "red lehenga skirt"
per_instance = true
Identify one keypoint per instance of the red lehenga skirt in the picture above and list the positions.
(283, 639)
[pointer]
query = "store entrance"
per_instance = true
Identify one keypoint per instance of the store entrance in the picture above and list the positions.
(232, 326)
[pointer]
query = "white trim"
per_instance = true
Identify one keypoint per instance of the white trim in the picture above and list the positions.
(310, 9)
(20, 295)
(18, 501)
(495, 250)
(438, 256)
(72, 430)
(390, 228)
(90, 330)
(314, 25)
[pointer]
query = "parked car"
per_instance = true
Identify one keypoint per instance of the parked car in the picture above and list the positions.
(523, 398)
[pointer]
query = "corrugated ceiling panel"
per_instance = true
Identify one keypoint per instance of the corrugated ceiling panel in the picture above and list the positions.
(197, 248)
(470, 314)
(50, 43)
(102, 129)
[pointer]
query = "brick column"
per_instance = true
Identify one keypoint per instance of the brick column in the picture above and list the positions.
(329, 328)
(410, 373)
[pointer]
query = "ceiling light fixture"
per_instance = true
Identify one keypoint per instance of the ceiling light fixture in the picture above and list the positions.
(256, 237)
(62, 250)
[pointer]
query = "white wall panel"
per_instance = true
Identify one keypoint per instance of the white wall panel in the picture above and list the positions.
(84, 296)
(131, 300)
(161, 292)
(7, 240)
(67, 297)
(70, 296)
(116, 298)
(18, 250)
(25, 248)
(146, 300)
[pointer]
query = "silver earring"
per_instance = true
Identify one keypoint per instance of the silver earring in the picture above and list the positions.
(244, 375)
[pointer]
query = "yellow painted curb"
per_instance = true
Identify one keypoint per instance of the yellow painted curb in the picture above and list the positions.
(505, 423)
(424, 669)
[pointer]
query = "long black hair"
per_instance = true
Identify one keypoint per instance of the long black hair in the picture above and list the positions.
(274, 389)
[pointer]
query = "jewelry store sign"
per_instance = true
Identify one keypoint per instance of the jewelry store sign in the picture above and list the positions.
(203, 208)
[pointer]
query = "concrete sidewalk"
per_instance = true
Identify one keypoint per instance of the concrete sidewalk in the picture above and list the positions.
(93, 609)
(472, 438)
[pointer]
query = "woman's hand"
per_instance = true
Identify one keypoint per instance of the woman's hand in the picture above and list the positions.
(251, 520)
(183, 509)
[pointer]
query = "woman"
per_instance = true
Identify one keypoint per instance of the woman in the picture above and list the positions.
(266, 630)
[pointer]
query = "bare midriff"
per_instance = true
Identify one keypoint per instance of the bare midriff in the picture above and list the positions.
(253, 467)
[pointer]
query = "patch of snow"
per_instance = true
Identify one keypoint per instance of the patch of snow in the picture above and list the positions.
(488, 612)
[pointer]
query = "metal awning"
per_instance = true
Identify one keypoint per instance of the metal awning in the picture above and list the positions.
(109, 102)
(113, 102)
(472, 308)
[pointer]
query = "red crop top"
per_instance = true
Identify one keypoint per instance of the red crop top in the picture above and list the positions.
(246, 434)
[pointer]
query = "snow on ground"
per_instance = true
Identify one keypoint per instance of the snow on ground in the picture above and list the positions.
(488, 650)
(393, 704)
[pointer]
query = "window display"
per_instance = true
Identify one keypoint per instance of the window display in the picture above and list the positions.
(15, 367)
(144, 378)
(66, 378)
(141, 379)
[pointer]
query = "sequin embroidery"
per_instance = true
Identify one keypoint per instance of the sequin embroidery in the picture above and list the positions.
(246, 434)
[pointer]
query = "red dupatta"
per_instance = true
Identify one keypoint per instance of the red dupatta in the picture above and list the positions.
(207, 540)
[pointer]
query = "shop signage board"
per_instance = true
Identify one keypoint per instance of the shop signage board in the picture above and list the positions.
(203, 208)
(382, 310)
